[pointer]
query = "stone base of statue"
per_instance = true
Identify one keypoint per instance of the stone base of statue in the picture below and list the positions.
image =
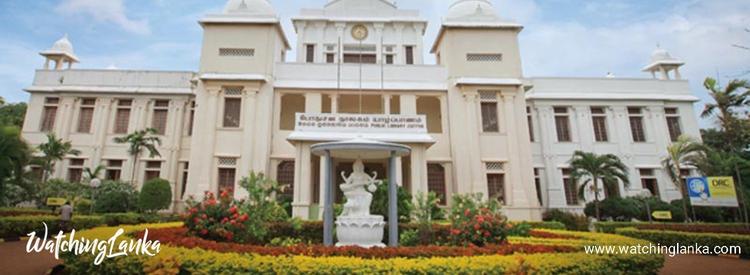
(364, 232)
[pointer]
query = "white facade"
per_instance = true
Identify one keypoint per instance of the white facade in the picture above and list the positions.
(237, 112)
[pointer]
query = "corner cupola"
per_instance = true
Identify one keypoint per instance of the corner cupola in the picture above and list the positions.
(60, 53)
(472, 10)
(662, 64)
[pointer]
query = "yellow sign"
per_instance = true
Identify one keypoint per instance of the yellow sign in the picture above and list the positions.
(722, 187)
(56, 201)
(662, 215)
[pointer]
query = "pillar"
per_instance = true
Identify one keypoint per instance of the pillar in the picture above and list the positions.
(328, 203)
(392, 202)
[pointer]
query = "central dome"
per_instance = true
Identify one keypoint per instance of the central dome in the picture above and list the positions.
(250, 7)
(472, 10)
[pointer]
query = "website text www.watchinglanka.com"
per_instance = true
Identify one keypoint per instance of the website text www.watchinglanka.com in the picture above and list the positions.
(670, 250)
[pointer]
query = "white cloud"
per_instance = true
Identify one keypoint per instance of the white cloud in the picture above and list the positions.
(112, 11)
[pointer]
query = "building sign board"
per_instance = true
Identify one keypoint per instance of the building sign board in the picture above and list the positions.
(55, 201)
(712, 191)
(361, 123)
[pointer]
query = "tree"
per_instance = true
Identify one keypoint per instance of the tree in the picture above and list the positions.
(12, 114)
(680, 153)
(137, 141)
(90, 174)
(727, 100)
(2, 100)
(591, 168)
(15, 155)
(54, 149)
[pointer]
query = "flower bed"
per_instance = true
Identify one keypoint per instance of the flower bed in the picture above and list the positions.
(177, 237)
(665, 237)
(173, 259)
(12, 212)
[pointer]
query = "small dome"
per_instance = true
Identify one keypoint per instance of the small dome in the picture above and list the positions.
(472, 10)
(249, 7)
(660, 55)
(63, 45)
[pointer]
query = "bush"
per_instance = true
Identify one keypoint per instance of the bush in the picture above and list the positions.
(113, 219)
(673, 238)
(83, 207)
(56, 188)
(477, 222)
(18, 226)
(572, 221)
(380, 202)
(11, 212)
(656, 204)
(115, 197)
(156, 194)
(547, 225)
(615, 208)
(702, 213)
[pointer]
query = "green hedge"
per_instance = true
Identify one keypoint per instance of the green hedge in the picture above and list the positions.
(663, 237)
(13, 211)
(19, 226)
(113, 219)
(610, 227)
(547, 225)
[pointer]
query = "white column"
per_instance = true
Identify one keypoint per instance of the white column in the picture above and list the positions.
(302, 182)
(247, 113)
(101, 128)
(386, 104)
(418, 170)
(334, 103)
(408, 104)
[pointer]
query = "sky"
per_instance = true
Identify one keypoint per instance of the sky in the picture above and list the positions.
(567, 38)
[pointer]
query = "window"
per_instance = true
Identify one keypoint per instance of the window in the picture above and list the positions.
(360, 58)
(153, 170)
(236, 52)
(636, 124)
(488, 104)
(648, 181)
(571, 190)
(530, 122)
(227, 168)
(310, 53)
(436, 181)
(113, 169)
(495, 181)
(673, 123)
(232, 110)
(285, 177)
(388, 59)
(185, 169)
(538, 185)
(49, 114)
(86, 115)
(191, 119)
(562, 124)
(330, 58)
(409, 54)
(75, 170)
(159, 120)
(599, 119)
(122, 117)
(478, 57)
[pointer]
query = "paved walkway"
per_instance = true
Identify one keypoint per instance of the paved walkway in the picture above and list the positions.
(14, 260)
(694, 264)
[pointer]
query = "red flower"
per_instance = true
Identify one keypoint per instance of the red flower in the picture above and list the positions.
(244, 217)
(204, 232)
(476, 226)
(233, 209)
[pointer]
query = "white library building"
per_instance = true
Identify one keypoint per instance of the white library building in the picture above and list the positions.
(473, 122)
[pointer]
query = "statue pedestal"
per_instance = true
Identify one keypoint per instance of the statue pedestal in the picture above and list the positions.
(364, 231)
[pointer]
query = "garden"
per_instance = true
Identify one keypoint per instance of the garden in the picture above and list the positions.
(219, 234)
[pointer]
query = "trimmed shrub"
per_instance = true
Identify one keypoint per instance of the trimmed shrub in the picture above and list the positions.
(380, 202)
(572, 221)
(19, 226)
(12, 212)
(113, 219)
(615, 208)
(656, 204)
(156, 194)
(546, 225)
(702, 213)
(671, 238)
(115, 197)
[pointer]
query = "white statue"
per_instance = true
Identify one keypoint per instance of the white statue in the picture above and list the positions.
(358, 199)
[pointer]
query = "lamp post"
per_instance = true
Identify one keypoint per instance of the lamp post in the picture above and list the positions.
(94, 184)
(647, 194)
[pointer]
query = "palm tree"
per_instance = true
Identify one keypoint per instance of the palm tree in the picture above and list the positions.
(727, 99)
(91, 174)
(54, 149)
(682, 152)
(2, 100)
(591, 168)
(137, 141)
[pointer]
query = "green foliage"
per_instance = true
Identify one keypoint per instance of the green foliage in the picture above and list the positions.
(15, 155)
(521, 229)
(21, 225)
(409, 238)
(572, 221)
(115, 219)
(115, 197)
(704, 213)
(137, 142)
(672, 238)
(656, 204)
(82, 207)
(476, 221)
(590, 168)
(619, 209)
(156, 194)
(56, 188)
(285, 241)
(380, 202)
(12, 114)
(246, 221)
